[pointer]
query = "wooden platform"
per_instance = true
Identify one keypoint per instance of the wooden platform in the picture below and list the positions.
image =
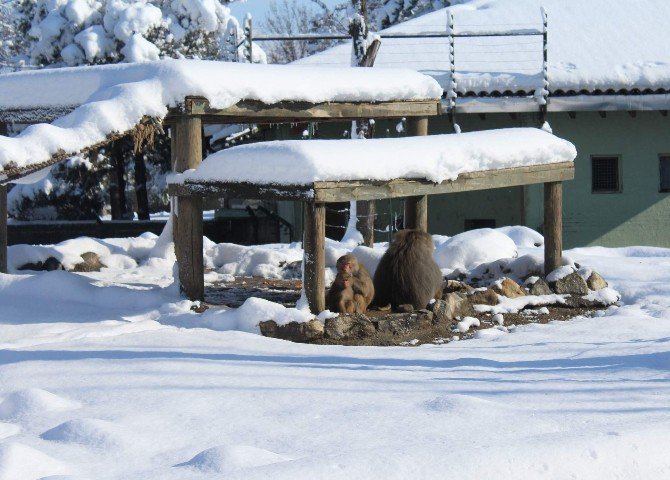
(317, 194)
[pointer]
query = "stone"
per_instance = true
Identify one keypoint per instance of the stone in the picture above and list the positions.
(302, 332)
(596, 282)
(540, 288)
(454, 286)
(451, 306)
(50, 264)
(352, 326)
(401, 324)
(91, 263)
(483, 297)
(509, 288)
(572, 284)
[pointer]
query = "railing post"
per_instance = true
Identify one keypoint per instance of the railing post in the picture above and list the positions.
(314, 259)
(416, 208)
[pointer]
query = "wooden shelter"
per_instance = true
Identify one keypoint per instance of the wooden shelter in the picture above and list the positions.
(189, 193)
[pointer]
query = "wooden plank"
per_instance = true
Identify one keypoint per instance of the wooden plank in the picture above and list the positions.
(416, 206)
(483, 180)
(314, 259)
(366, 211)
(187, 211)
(253, 111)
(553, 226)
(343, 191)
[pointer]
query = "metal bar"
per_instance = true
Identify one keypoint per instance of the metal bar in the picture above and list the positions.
(312, 36)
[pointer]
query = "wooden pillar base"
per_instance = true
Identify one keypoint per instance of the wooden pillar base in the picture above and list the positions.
(3, 228)
(314, 260)
(416, 213)
(188, 247)
(553, 226)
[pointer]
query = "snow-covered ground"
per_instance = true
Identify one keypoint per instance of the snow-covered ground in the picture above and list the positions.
(100, 383)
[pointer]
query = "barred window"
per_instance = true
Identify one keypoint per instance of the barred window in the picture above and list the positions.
(664, 166)
(605, 175)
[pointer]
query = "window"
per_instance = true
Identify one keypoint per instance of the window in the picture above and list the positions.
(664, 166)
(474, 223)
(605, 175)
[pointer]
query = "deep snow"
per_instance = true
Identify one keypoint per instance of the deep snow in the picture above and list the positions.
(96, 383)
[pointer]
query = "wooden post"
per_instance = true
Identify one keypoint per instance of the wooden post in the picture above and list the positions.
(3, 215)
(3, 228)
(187, 213)
(366, 211)
(314, 259)
(553, 226)
(416, 208)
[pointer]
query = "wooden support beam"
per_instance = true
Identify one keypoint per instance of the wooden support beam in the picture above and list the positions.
(366, 211)
(187, 213)
(3, 215)
(416, 207)
(553, 226)
(189, 253)
(314, 259)
(3, 228)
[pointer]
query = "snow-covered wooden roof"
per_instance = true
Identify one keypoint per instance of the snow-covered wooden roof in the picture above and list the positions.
(109, 100)
(425, 160)
(594, 46)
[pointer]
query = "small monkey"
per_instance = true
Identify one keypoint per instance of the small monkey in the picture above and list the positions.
(340, 297)
(364, 289)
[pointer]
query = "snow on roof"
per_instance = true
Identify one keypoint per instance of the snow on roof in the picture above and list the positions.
(114, 98)
(435, 158)
(592, 45)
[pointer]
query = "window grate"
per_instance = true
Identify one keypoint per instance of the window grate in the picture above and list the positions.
(605, 174)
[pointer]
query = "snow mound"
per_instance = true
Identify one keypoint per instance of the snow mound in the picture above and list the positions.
(34, 401)
(523, 236)
(458, 403)
(368, 257)
(469, 249)
(86, 431)
(490, 333)
(228, 458)
(20, 462)
(266, 261)
(8, 429)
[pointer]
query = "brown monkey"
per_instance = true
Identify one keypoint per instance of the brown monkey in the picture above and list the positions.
(407, 275)
(340, 296)
(362, 285)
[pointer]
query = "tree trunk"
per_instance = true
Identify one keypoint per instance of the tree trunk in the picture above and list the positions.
(141, 187)
(117, 187)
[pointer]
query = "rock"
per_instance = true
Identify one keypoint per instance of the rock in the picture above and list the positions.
(596, 282)
(401, 324)
(294, 331)
(483, 297)
(454, 286)
(91, 263)
(50, 264)
(451, 306)
(509, 288)
(573, 284)
(350, 326)
(540, 288)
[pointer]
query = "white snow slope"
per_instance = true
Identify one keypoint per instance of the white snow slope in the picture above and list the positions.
(592, 44)
(114, 98)
(443, 157)
(100, 386)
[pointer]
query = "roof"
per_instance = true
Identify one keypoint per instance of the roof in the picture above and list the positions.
(109, 100)
(600, 47)
(442, 157)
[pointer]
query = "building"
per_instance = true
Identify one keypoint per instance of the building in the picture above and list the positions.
(608, 72)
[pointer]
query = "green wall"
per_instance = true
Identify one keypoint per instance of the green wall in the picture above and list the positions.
(638, 215)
